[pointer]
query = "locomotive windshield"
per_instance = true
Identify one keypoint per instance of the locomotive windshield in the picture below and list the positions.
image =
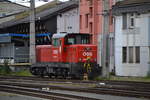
(77, 39)
(56, 42)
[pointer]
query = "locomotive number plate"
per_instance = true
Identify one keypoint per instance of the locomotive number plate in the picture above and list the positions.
(87, 54)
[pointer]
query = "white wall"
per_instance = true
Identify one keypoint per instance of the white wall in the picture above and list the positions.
(137, 37)
(68, 21)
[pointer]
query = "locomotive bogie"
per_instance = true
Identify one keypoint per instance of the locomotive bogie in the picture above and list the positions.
(73, 70)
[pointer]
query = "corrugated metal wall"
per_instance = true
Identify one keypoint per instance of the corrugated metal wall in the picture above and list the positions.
(14, 54)
(7, 51)
(21, 54)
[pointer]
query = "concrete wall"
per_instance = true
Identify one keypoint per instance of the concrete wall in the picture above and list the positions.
(139, 36)
(68, 21)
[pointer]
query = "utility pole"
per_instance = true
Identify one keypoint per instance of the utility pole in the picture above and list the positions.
(105, 32)
(32, 32)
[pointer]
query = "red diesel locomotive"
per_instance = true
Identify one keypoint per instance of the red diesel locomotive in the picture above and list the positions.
(66, 56)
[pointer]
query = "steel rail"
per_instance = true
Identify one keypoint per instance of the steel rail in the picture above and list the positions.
(108, 82)
(99, 90)
(41, 93)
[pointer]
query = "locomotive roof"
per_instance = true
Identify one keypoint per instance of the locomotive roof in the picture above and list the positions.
(61, 35)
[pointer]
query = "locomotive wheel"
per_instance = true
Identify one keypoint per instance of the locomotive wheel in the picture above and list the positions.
(56, 76)
(50, 75)
(41, 75)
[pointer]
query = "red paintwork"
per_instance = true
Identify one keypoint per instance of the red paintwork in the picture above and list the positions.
(43, 53)
(78, 53)
(66, 53)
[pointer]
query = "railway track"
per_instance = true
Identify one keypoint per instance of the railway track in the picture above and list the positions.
(101, 90)
(108, 82)
(41, 93)
(118, 88)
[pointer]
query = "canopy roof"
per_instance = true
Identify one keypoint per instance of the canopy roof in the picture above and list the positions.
(24, 35)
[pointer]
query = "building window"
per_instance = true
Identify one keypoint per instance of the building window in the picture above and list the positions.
(91, 11)
(86, 20)
(124, 22)
(124, 56)
(132, 20)
(137, 54)
(91, 27)
(128, 20)
(90, 2)
(80, 21)
(131, 55)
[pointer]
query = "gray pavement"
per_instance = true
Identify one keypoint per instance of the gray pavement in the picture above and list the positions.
(9, 96)
(97, 96)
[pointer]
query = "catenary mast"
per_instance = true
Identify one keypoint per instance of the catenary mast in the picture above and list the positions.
(105, 32)
(32, 32)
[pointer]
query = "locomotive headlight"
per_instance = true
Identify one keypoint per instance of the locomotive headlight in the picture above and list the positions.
(95, 59)
(80, 59)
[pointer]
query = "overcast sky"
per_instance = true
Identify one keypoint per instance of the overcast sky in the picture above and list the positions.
(49, 0)
(36, 3)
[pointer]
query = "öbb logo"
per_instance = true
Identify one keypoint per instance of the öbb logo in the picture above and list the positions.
(87, 54)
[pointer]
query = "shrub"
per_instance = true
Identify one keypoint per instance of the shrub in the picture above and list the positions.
(23, 73)
(5, 69)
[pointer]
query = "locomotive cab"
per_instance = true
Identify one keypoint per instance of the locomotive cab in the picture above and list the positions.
(70, 46)
(74, 49)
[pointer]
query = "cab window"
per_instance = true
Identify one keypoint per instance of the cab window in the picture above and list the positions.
(85, 40)
(77, 39)
(56, 42)
(71, 40)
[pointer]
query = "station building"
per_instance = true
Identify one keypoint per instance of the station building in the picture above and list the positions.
(132, 37)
